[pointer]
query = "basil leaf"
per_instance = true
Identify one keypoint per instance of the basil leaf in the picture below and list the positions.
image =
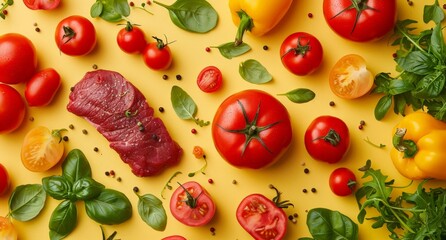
(63, 220)
(417, 62)
(299, 95)
(230, 50)
(96, 9)
(151, 210)
(383, 106)
(437, 46)
(192, 15)
(254, 72)
(325, 224)
(110, 207)
(86, 188)
(430, 86)
(26, 202)
(122, 7)
(433, 13)
(110, 10)
(182, 103)
(399, 86)
(57, 187)
(75, 166)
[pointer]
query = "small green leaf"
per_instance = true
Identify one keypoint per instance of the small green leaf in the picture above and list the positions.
(182, 103)
(230, 50)
(122, 7)
(326, 224)
(26, 202)
(96, 9)
(383, 106)
(110, 207)
(254, 72)
(433, 13)
(299, 95)
(57, 187)
(75, 166)
(63, 220)
(151, 210)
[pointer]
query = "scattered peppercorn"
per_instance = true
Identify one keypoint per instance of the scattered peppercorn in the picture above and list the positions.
(444, 6)
(165, 77)
(135, 189)
(210, 180)
(71, 89)
(31, 118)
(193, 131)
(394, 55)
(212, 229)
(84, 131)
(265, 47)
(234, 181)
(65, 138)
(119, 179)
(149, 2)
(313, 190)
(161, 109)
(112, 173)
(107, 173)
(306, 170)
(304, 190)
(362, 122)
(95, 66)
(290, 217)
(96, 149)
(178, 77)
(5, 12)
(71, 126)
(208, 49)
(295, 215)
(332, 104)
(37, 29)
(131, 4)
(360, 127)
(310, 15)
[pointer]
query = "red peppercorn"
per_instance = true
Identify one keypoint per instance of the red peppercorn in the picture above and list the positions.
(5, 12)
(193, 131)
(360, 127)
(310, 15)
(132, 4)
(208, 49)
(210, 180)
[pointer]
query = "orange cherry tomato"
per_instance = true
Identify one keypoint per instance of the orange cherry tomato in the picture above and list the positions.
(349, 78)
(42, 149)
(7, 230)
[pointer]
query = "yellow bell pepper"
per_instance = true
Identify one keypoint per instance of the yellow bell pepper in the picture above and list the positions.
(419, 150)
(257, 16)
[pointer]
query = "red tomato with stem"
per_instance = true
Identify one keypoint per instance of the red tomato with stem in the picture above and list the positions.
(301, 53)
(251, 129)
(262, 218)
(342, 181)
(131, 39)
(210, 79)
(157, 55)
(18, 59)
(75, 35)
(327, 139)
(360, 20)
(5, 181)
(192, 205)
(42, 87)
(174, 237)
(41, 4)
(12, 109)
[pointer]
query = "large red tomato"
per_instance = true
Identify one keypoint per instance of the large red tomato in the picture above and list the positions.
(12, 109)
(262, 218)
(360, 20)
(18, 59)
(327, 139)
(192, 205)
(251, 129)
(75, 35)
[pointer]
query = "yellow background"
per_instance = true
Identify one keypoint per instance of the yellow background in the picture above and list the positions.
(189, 58)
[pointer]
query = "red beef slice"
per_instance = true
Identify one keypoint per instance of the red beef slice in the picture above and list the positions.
(119, 111)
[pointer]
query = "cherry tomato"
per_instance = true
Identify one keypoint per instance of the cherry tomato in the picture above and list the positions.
(5, 182)
(18, 59)
(349, 78)
(174, 237)
(157, 55)
(12, 109)
(261, 218)
(210, 79)
(192, 205)
(42, 4)
(7, 229)
(327, 139)
(364, 20)
(42, 87)
(301, 53)
(75, 36)
(42, 149)
(342, 181)
(131, 39)
(251, 129)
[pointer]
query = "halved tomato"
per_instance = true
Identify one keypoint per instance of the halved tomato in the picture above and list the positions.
(192, 205)
(210, 79)
(7, 230)
(174, 237)
(42, 4)
(349, 78)
(42, 149)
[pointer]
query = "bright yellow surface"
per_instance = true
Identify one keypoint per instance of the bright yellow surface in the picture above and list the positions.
(189, 58)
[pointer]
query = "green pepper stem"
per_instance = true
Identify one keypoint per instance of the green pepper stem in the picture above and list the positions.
(246, 24)
(409, 147)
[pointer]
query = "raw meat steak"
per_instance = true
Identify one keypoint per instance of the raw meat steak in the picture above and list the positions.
(119, 111)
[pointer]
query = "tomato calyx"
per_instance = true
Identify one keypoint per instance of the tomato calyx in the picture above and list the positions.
(251, 130)
(359, 6)
(331, 137)
(190, 200)
(68, 33)
(57, 133)
(408, 147)
(160, 44)
(276, 199)
(299, 49)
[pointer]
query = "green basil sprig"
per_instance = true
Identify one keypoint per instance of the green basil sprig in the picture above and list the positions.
(110, 10)
(110, 207)
(184, 106)
(151, 210)
(192, 15)
(299, 95)
(254, 72)
(63, 220)
(26, 202)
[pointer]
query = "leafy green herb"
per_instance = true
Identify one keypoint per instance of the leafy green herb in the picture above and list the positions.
(192, 15)
(367, 140)
(151, 210)
(167, 185)
(417, 215)
(63, 220)
(299, 95)
(421, 61)
(26, 202)
(201, 170)
(111, 237)
(5, 5)
(230, 50)
(254, 72)
(184, 106)
(326, 224)
(110, 207)
(110, 10)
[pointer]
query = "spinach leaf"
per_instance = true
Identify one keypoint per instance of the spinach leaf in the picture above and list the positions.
(184, 105)
(110, 207)
(87, 188)
(151, 210)
(299, 95)
(325, 224)
(110, 10)
(57, 187)
(75, 166)
(254, 72)
(192, 15)
(26, 202)
(63, 220)
(230, 50)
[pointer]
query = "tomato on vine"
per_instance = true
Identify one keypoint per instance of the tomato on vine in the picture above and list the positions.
(157, 55)
(131, 39)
